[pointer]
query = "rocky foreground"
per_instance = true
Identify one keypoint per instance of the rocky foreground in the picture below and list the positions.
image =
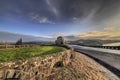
(83, 68)
(68, 65)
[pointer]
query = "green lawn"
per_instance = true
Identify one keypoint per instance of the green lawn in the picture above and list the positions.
(23, 53)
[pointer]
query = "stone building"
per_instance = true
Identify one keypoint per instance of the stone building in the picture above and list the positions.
(60, 41)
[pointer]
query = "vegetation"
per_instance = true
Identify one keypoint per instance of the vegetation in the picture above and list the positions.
(19, 42)
(58, 64)
(23, 53)
(87, 42)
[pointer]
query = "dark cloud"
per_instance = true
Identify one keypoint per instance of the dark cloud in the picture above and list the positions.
(92, 11)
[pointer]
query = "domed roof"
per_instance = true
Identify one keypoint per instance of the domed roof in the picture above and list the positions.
(60, 37)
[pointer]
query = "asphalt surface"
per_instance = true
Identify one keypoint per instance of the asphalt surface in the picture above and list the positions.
(110, 59)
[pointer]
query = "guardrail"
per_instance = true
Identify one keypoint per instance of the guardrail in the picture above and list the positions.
(108, 47)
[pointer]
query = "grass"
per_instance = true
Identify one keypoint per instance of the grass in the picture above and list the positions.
(23, 53)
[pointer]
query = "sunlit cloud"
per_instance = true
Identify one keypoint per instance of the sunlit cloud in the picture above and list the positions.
(107, 33)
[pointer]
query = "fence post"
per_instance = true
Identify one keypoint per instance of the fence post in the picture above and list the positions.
(6, 46)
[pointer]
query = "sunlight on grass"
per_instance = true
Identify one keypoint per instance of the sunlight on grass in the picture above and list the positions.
(23, 53)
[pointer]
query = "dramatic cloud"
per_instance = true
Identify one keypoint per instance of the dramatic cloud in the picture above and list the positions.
(108, 33)
(64, 10)
(52, 7)
(90, 17)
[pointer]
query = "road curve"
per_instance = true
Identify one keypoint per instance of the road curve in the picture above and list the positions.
(106, 57)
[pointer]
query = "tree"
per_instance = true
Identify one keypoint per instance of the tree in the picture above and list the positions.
(19, 42)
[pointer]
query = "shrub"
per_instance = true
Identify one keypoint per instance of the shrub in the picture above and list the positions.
(58, 64)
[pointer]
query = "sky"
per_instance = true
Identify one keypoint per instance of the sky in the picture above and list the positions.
(72, 18)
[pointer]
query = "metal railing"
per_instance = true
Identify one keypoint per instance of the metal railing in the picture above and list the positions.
(108, 47)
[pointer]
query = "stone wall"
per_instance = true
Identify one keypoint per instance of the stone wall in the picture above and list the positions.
(36, 68)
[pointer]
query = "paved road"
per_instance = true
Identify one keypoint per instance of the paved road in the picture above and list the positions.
(108, 58)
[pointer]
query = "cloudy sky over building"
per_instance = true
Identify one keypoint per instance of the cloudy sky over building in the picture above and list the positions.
(50, 18)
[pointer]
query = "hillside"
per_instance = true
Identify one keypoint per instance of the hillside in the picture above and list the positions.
(94, 42)
(112, 44)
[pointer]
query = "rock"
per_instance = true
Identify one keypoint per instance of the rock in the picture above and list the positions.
(34, 66)
(79, 67)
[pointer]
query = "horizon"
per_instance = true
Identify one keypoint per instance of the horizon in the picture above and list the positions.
(13, 37)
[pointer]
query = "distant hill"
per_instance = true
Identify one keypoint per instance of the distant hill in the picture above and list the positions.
(95, 42)
(112, 44)
(13, 37)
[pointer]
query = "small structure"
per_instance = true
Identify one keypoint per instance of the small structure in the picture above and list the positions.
(60, 41)
(19, 43)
